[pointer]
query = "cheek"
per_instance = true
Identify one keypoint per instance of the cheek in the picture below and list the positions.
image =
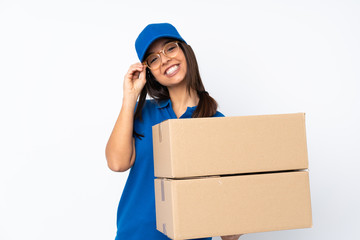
(184, 68)
(184, 63)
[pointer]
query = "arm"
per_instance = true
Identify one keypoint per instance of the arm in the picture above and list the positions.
(231, 237)
(120, 148)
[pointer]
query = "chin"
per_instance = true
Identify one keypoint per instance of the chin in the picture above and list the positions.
(170, 82)
(175, 82)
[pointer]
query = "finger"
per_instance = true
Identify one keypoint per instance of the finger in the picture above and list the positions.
(143, 73)
(136, 75)
(135, 67)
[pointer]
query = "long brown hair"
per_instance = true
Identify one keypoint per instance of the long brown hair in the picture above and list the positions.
(207, 105)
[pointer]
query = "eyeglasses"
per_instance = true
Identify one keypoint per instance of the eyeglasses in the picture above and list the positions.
(170, 50)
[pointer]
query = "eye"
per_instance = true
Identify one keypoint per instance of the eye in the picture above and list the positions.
(171, 47)
(152, 59)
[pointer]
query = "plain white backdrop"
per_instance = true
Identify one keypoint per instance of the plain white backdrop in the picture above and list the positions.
(62, 65)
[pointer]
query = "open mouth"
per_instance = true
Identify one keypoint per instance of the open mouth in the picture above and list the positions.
(172, 70)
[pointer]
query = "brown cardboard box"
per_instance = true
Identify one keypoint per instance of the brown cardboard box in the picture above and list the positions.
(229, 145)
(264, 184)
(218, 206)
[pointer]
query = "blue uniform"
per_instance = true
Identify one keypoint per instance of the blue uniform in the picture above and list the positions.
(136, 212)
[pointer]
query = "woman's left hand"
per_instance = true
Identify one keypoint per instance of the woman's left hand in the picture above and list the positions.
(231, 237)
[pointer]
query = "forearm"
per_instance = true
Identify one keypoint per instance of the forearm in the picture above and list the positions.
(119, 148)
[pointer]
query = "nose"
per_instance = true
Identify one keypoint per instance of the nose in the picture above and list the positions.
(164, 58)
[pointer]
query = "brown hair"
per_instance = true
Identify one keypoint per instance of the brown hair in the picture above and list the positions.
(207, 106)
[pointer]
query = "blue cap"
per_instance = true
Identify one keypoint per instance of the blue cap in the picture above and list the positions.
(152, 32)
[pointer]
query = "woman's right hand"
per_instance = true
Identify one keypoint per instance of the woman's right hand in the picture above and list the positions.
(134, 80)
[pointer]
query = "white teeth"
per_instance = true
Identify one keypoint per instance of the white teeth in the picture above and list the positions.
(172, 69)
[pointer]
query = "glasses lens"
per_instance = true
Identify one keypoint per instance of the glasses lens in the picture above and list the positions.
(153, 60)
(171, 49)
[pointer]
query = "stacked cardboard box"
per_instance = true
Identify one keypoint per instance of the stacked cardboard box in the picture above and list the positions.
(231, 175)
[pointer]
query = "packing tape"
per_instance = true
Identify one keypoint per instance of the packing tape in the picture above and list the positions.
(164, 228)
(160, 135)
(162, 190)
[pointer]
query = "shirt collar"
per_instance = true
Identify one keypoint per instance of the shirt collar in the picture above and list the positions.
(166, 102)
(163, 103)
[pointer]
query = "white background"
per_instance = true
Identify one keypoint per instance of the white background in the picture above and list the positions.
(62, 65)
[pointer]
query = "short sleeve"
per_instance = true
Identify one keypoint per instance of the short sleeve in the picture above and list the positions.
(218, 114)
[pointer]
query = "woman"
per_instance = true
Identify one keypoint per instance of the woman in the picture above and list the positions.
(168, 72)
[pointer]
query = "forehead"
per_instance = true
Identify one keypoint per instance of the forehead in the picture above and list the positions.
(158, 44)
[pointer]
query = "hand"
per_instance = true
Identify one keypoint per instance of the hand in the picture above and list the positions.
(134, 80)
(231, 237)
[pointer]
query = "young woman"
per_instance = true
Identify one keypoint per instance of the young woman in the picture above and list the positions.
(169, 74)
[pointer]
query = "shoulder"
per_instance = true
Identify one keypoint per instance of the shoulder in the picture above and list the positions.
(218, 114)
(149, 104)
(150, 110)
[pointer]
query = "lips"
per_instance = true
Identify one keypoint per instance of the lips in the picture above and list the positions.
(172, 70)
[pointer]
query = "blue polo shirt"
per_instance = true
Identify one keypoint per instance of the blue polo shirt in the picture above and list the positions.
(136, 211)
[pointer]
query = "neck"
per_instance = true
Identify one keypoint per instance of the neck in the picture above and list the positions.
(181, 99)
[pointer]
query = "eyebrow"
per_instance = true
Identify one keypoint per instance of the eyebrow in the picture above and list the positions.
(170, 40)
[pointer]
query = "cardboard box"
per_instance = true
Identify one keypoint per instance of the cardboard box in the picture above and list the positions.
(229, 145)
(218, 206)
(231, 175)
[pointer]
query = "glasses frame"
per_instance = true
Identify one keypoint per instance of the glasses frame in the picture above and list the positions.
(163, 52)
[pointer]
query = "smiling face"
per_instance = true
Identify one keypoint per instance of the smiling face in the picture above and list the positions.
(172, 71)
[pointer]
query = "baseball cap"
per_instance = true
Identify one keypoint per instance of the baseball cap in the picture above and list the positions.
(152, 32)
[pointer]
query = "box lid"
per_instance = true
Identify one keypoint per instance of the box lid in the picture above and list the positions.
(229, 145)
